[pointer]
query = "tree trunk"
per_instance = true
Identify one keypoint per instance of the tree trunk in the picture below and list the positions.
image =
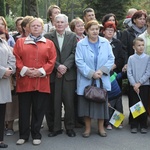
(29, 7)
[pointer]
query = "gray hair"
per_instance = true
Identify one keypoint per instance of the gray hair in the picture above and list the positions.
(62, 16)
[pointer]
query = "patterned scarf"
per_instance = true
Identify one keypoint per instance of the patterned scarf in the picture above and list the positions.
(35, 39)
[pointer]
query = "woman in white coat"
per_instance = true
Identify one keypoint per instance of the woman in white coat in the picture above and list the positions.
(7, 68)
(94, 59)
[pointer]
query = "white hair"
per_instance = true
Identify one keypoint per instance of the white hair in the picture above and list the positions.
(62, 16)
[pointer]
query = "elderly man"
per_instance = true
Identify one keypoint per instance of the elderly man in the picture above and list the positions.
(64, 75)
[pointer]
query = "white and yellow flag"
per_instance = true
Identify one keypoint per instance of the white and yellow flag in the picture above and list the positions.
(116, 118)
(137, 109)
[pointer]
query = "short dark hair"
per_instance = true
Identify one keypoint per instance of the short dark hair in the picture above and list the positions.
(137, 39)
(138, 14)
(106, 18)
(87, 10)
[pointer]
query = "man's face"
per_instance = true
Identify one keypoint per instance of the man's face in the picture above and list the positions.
(89, 16)
(60, 24)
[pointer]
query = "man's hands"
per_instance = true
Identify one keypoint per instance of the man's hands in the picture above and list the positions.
(61, 70)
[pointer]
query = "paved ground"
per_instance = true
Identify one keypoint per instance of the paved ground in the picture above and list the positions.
(117, 139)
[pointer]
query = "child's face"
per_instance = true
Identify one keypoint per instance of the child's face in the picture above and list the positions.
(139, 47)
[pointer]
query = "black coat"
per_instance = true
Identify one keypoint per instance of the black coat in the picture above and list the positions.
(118, 52)
(127, 39)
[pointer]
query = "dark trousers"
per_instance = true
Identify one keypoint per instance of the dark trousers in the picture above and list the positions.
(34, 103)
(117, 104)
(50, 111)
(133, 99)
(64, 93)
(2, 119)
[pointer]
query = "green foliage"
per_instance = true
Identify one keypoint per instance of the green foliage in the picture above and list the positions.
(10, 23)
(138, 4)
(15, 7)
(103, 7)
(2, 8)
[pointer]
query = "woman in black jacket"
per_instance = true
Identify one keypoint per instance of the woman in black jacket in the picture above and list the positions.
(137, 28)
(108, 32)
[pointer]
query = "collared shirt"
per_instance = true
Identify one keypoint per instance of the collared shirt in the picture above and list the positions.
(60, 39)
(147, 43)
(80, 37)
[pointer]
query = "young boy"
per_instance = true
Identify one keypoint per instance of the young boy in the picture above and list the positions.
(138, 72)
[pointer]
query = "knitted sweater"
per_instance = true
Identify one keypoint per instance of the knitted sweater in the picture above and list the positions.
(138, 70)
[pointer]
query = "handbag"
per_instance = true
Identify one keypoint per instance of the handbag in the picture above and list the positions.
(95, 94)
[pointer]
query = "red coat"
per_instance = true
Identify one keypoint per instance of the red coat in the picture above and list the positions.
(34, 55)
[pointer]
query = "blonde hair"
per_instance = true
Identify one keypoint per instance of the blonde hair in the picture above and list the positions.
(39, 19)
(4, 21)
(131, 11)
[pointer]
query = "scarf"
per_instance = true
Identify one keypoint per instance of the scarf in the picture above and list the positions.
(138, 31)
(35, 39)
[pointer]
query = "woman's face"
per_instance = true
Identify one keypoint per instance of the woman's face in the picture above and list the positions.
(109, 33)
(140, 22)
(2, 25)
(79, 28)
(93, 32)
(36, 28)
(112, 19)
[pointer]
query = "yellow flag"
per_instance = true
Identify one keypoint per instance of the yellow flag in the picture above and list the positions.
(116, 118)
(137, 109)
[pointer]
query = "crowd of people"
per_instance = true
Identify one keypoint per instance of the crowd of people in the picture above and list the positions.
(46, 66)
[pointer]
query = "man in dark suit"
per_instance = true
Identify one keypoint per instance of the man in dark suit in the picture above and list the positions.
(64, 75)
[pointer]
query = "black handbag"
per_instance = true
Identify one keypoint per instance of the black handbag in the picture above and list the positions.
(95, 94)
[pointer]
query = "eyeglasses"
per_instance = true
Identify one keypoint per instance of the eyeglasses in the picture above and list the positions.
(110, 30)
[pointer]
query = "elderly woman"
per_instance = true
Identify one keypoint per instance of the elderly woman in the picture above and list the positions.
(77, 26)
(94, 59)
(35, 58)
(7, 68)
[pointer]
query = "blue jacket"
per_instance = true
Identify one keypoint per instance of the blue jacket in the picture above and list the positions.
(84, 58)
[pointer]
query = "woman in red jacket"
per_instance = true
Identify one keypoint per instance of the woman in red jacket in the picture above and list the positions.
(35, 58)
